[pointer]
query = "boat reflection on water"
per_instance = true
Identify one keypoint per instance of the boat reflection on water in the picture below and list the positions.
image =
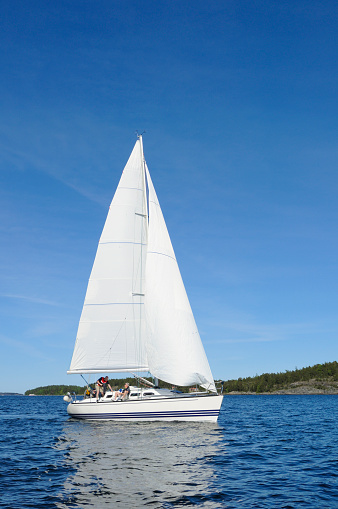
(131, 465)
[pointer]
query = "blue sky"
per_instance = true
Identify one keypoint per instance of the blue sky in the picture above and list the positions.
(239, 103)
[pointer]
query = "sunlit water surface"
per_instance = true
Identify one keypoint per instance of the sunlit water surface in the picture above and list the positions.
(264, 452)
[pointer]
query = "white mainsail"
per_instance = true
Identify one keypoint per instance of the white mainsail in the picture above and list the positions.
(136, 315)
(111, 326)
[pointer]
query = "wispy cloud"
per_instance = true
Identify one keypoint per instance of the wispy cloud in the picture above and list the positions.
(22, 347)
(33, 300)
(71, 159)
(257, 333)
(53, 172)
(243, 340)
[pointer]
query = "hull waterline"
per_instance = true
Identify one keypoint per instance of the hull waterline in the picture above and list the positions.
(194, 408)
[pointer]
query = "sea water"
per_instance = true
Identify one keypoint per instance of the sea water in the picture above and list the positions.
(264, 452)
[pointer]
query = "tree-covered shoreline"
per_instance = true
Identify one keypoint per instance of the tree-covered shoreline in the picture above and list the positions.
(116, 383)
(320, 378)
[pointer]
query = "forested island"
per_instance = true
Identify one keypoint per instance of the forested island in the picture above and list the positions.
(317, 379)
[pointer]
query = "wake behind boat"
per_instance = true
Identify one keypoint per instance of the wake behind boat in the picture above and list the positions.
(136, 315)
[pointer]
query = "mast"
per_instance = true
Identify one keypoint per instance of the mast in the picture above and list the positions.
(145, 211)
(144, 235)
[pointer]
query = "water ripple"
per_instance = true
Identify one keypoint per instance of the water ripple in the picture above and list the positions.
(265, 452)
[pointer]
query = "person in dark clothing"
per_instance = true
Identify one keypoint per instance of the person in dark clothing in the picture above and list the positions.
(101, 386)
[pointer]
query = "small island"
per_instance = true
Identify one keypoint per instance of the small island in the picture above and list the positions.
(10, 394)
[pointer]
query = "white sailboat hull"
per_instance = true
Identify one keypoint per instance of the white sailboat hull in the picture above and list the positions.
(185, 408)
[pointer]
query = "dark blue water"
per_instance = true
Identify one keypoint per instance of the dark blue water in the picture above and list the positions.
(265, 452)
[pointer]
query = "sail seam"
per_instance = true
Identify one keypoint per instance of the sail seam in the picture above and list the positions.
(108, 279)
(115, 304)
(124, 242)
(106, 321)
(133, 188)
(162, 254)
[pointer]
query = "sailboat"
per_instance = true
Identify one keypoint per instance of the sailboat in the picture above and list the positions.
(136, 316)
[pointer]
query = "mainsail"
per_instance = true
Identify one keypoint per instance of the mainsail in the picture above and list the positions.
(109, 337)
(136, 315)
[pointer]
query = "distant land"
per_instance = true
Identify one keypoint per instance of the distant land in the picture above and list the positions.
(317, 379)
(61, 390)
(10, 394)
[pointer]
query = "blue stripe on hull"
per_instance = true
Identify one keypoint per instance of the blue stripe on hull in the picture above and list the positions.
(147, 415)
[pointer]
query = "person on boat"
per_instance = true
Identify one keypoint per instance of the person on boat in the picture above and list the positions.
(89, 392)
(101, 386)
(123, 394)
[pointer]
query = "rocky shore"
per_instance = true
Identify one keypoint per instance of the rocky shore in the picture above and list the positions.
(309, 387)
